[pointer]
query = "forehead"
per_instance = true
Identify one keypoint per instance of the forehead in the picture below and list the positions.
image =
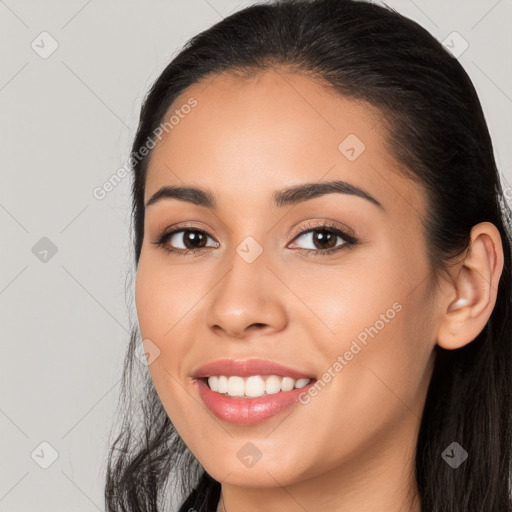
(274, 130)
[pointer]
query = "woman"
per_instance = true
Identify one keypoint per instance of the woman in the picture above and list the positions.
(323, 288)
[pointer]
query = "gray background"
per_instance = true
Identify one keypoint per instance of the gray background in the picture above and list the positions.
(66, 126)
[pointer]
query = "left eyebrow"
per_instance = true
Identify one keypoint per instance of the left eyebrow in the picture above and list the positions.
(285, 197)
(304, 192)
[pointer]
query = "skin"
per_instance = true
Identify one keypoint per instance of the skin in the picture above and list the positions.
(351, 448)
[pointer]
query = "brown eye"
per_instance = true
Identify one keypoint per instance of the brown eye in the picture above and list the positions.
(193, 239)
(189, 239)
(322, 239)
(184, 241)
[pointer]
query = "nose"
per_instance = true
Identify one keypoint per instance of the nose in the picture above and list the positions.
(248, 298)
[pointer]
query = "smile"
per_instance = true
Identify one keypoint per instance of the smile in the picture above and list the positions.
(246, 410)
(253, 386)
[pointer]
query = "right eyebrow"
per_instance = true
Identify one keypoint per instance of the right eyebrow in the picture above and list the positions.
(192, 195)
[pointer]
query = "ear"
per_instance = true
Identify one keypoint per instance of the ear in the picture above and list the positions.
(467, 303)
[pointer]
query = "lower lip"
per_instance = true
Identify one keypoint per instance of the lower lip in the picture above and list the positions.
(247, 411)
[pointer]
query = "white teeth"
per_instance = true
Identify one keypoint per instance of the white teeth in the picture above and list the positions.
(287, 384)
(253, 386)
(235, 386)
(273, 384)
(223, 384)
(301, 383)
(213, 382)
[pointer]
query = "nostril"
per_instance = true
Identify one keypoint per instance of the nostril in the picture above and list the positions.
(257, 325)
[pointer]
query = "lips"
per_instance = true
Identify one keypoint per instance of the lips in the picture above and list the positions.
(247, 411)
(248, 367)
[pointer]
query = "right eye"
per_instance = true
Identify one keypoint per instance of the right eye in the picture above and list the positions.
(192, 240)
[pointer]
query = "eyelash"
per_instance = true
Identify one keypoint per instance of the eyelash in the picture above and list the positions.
(349, 240)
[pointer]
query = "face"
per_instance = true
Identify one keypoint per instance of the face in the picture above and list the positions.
(332, 283)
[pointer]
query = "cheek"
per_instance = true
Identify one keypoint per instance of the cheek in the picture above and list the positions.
(360, 299)
(381, 384)
(381, 319)
(387, 376)
(162, 304)
(162, 297)
(166, 301)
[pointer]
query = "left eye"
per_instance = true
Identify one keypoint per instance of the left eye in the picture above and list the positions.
(322, 239)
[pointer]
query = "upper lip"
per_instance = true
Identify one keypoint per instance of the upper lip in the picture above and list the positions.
(247, 367)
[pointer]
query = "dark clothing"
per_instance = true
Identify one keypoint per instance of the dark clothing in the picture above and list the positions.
(204, 497)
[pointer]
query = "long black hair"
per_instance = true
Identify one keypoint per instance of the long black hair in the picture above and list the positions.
(437, 131)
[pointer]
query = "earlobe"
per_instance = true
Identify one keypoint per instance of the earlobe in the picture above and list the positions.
(469, 300)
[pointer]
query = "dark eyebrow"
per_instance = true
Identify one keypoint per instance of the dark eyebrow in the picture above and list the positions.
(192, 195)
(286, 197)
(300, 193)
